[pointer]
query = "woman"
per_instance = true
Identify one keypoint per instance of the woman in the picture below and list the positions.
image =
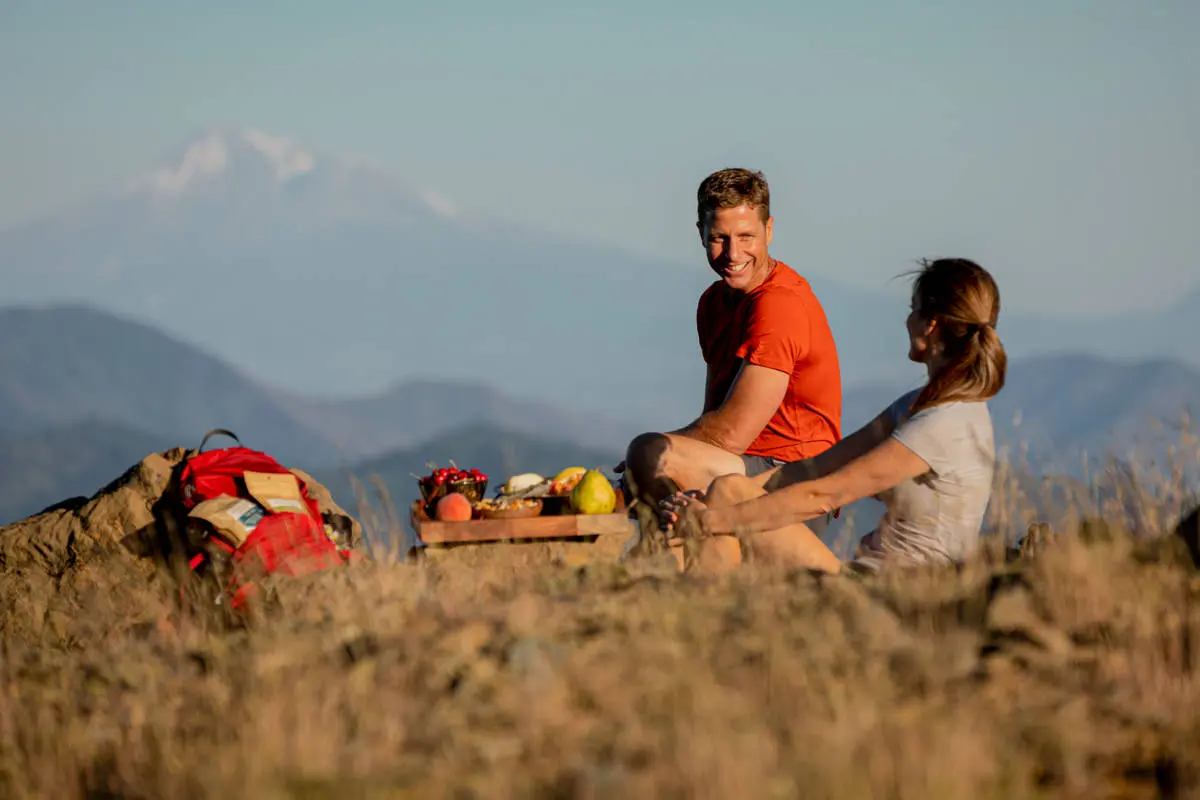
(929, 457)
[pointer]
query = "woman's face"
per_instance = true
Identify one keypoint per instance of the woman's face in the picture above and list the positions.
(920, 334)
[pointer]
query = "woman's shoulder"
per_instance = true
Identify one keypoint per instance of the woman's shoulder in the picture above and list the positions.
(974, 412)
(901, 407)
(937, 419)
(953, 438)
(958, 421)
(955, 420)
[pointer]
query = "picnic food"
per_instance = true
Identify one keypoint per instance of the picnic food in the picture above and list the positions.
(593, 494)
(454, 507)
(522, 482)
(509, 507)
(442, 481)
(507, 503)
(566, 480)
(452, 475)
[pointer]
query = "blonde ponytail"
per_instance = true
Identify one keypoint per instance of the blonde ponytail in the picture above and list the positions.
(963, 299)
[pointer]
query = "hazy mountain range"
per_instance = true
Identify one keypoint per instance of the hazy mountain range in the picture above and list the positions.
(1056, 407)
(64, 365)
(335, 278)
(83, 394)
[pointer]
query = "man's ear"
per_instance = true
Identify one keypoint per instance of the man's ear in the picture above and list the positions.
(700, 230)
(770, 227)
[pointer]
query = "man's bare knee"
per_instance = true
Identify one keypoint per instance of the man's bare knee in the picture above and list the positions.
(647, 452)
(645, 460)
(729, 490)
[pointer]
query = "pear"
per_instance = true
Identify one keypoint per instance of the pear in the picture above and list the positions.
(594, 494)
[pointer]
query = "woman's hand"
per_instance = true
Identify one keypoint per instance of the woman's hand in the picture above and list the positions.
(680, 511)
(868, 545)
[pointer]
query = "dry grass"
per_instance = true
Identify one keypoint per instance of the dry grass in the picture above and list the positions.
(1071, 674)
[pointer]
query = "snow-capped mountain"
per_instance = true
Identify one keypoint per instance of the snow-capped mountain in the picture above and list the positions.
(331, 276)
(251, 170)
(217, 153)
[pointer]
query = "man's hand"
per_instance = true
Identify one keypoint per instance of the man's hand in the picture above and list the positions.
(676, 509)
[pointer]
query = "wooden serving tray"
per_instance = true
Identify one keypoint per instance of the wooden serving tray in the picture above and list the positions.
(557, 526)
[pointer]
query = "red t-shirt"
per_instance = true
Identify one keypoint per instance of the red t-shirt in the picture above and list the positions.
(779, 325)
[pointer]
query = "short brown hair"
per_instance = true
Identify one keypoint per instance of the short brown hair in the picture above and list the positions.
(962, 296)
(733, 187)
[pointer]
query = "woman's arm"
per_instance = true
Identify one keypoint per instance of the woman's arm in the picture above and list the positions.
(881, 468)
(857, 444)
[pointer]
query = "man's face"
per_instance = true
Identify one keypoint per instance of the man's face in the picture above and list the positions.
(735, 240)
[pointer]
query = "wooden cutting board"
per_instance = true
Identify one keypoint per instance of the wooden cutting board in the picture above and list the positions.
(558, 526)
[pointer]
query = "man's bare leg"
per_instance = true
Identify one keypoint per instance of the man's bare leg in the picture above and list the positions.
(663, 463)
(658, 465)
(790, 546)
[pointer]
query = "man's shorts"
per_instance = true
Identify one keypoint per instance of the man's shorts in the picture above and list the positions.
(757, 465)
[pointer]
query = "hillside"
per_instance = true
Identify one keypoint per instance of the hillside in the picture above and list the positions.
(1070, 675)
(63, 365)
(1093, 402)
(417, 409)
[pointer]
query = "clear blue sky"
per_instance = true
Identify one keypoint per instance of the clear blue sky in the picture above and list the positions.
(1055, 141)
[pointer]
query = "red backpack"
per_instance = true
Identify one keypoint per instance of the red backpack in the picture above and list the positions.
(256, 516)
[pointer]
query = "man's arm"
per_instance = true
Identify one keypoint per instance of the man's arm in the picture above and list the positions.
(755, 396)
(776, 338)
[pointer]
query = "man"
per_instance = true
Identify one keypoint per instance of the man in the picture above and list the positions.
(773, 391)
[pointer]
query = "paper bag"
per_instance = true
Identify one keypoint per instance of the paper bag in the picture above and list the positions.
(278, 492)
(233, 518)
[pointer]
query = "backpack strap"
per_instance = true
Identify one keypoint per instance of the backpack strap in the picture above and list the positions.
(218, 432)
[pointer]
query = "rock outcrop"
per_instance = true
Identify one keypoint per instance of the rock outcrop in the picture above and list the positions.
(86, 551)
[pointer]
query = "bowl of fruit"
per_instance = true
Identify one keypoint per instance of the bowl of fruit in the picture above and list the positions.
(443, 480)
(557, 500)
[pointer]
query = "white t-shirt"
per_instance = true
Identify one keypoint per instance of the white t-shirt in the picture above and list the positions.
(936, 517)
